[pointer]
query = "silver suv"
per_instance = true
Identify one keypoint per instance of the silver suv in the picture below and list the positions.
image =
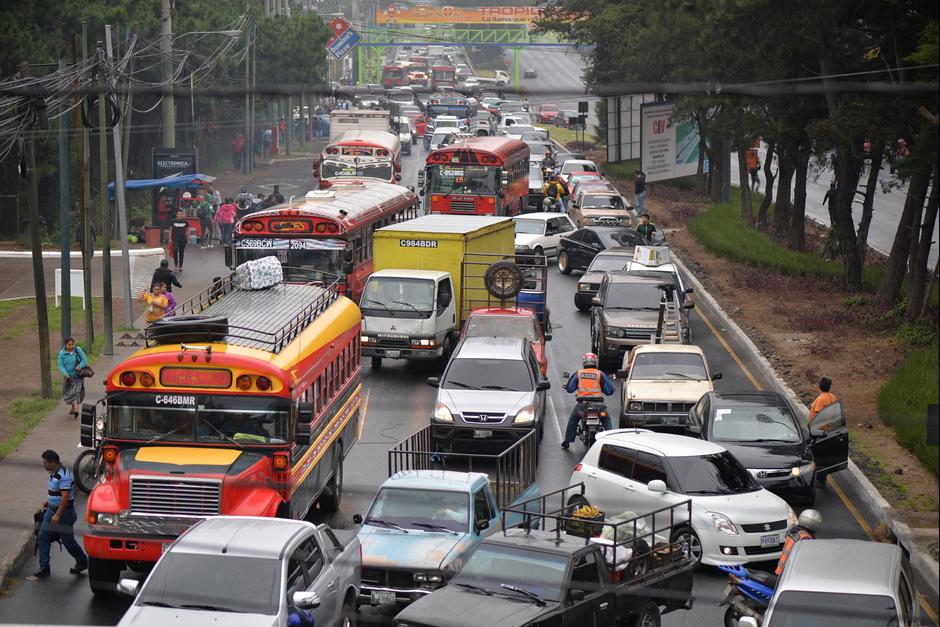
(492, 392)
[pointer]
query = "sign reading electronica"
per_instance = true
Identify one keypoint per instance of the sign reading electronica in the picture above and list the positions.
(424, 14)
(668, 148)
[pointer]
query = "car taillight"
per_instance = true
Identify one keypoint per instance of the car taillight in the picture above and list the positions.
(146, 379)
(243, 382)
(577, 467)
(263, 383)
(128, 378)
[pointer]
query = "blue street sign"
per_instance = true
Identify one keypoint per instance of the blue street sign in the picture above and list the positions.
(344, 42)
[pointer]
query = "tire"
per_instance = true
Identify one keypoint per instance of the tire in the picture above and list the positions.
(376, 363)
(809, 501)
(103, 576)
(350, 615)
(731, 616)
(446, 352)
(582, 307)
(503, 279)
(564, 265)
(538, 252)
(85, 470)
(688, 535)
(334, 497)
(648, 616)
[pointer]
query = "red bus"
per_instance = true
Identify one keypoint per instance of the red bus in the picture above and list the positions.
(328, 233)
(360, 155)
(443, 76)
(393, 76)
(479, 176)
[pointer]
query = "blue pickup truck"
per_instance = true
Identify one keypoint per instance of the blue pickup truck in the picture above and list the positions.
(433, 511)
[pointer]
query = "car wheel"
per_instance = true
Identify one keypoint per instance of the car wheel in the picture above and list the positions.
(648, 616)
(581, 306)
(688, 541)
(538, 252)
(335, 488)
(812, 492)
(350, 616)
(563, 265)
(103, 576)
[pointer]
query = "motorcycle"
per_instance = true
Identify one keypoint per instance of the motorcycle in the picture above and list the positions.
(551, 205)
(748, 594)
(590, 412)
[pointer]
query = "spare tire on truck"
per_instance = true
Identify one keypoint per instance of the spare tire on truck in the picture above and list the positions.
(503, 280)
(181, 329)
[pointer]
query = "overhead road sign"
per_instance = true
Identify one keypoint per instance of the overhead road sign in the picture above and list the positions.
(344, 39)
(394, 14)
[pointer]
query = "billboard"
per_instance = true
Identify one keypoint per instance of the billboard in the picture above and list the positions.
(424, 14)
(623, 126)
(668, 149)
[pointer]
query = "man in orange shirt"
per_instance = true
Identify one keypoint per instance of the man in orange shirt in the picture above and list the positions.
(825, 398)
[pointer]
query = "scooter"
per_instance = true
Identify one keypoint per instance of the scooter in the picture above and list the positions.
(748, 593)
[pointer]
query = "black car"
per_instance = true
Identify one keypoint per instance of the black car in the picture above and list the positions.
(577, 250)
(768, 437)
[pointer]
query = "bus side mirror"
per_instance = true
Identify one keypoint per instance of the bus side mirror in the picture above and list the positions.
(397, 177)
(228, 255)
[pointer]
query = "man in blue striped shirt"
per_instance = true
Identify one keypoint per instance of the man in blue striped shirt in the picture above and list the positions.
(58, 517)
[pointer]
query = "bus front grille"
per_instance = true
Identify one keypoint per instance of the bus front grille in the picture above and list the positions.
(174, 496)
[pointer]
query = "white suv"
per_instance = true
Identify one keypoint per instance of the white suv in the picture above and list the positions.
(734, 520)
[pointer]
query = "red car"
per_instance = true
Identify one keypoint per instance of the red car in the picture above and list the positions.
(497, 322)
(548, 113)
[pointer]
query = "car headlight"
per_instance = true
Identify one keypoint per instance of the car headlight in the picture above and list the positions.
(522, 247)
(635, 406)
(525, 415)
(423, 343)
(722, 523)
(421, 577)
(365, 339)
(441, 412)
(584, 287)
(791, 518)
(614, 332)
(805, 469)
(434, 578)
(102, 518)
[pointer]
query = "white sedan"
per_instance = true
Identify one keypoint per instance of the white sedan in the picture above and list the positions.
(539, 233)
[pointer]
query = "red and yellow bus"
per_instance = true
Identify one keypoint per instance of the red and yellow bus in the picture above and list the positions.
(393, 76)
(328, 233)
(443, 76)
(479, 176)
(246, 402)
(360, 155)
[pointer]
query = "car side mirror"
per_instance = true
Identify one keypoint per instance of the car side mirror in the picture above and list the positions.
(87, 436)
(716, 376)
(128, 587)
(305, 600)
(748, 621)
(816, 433)
(689, 290)
(693, 430)
(357, 519)
(576, 595)
(227, 250)
(420, 192)
(434, 382)
(596, 246)
(596, 302)
(541, 386)
(623, 374)
(656, 485)
(481, 525)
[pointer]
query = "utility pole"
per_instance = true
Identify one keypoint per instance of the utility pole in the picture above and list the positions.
(116, 137)
(166, 50)
(105, 205)
(88, 242)
(35, 243)
(254, 99)
(64, 227)
(246, 150)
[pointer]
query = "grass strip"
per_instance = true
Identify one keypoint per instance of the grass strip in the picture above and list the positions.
(25, 414)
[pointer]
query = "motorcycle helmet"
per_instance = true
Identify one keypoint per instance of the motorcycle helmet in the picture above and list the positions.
(589, 360)
(810, 519)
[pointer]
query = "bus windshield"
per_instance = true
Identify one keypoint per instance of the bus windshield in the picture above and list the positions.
(209, 419)
(463, 179)
(345, 169)
(315, 255)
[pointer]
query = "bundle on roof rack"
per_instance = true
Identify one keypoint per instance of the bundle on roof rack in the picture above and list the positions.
(259, 274)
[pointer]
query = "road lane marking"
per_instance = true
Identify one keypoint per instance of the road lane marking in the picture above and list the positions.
(727, 347)
(551, 408)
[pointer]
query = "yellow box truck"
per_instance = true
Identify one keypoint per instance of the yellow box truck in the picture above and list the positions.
(414, 303)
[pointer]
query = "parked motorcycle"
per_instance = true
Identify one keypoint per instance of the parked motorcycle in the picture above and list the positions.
(748, 593)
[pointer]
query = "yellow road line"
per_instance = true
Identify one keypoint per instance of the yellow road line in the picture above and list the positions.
(727, 347)
(931, 614)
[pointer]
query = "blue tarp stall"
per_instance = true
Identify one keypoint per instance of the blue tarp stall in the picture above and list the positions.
(171, 182)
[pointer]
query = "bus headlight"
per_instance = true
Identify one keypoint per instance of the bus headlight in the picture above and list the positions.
(442, 413)
(102, 518)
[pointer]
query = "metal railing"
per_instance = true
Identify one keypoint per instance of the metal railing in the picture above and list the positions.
(534, 292)
(511, 472)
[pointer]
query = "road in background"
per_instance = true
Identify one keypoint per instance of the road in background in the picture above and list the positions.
(559, 79)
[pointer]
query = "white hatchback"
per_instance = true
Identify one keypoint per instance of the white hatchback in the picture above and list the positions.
(539, 233)
(734, 520)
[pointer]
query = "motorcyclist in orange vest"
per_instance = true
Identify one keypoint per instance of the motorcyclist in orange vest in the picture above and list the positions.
(588, 382)
(805, 529)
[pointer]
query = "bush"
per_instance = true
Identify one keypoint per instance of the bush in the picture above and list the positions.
(916, 334)
(903, 400)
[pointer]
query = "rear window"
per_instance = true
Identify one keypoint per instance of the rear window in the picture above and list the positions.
(795, 608)
(502, 326)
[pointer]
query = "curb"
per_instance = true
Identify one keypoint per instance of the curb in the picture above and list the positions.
(55, 254)
(15, 560)
(924, 566)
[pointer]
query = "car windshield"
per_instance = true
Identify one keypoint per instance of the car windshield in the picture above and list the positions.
(601, 201)
(492, 565)
(621, 238)
(633, 296)
(608, 263)
(344, 169)
(397, 294)
(482, 325)
(796, 608)
(462, 179)
(510, 375)
(711, 475)
(530, 227)
(210, 419)
(668, 367)
(406, 507)
(226, 583)
(535, 135)
(749, 424)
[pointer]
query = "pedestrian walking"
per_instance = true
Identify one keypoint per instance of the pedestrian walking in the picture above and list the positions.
(58, 518)
(753, 167)
(238, 150)
(268, 143)
(225, 218)
(156, 302)
(823, 400)
(170, 300)
(164, 275)
(178, 233)
(204, 212)
(71, 361)
(639, 189)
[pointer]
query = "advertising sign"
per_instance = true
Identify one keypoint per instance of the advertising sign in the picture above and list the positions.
(166, 162)
(344, 39)
(426, 14)
(668, 150)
